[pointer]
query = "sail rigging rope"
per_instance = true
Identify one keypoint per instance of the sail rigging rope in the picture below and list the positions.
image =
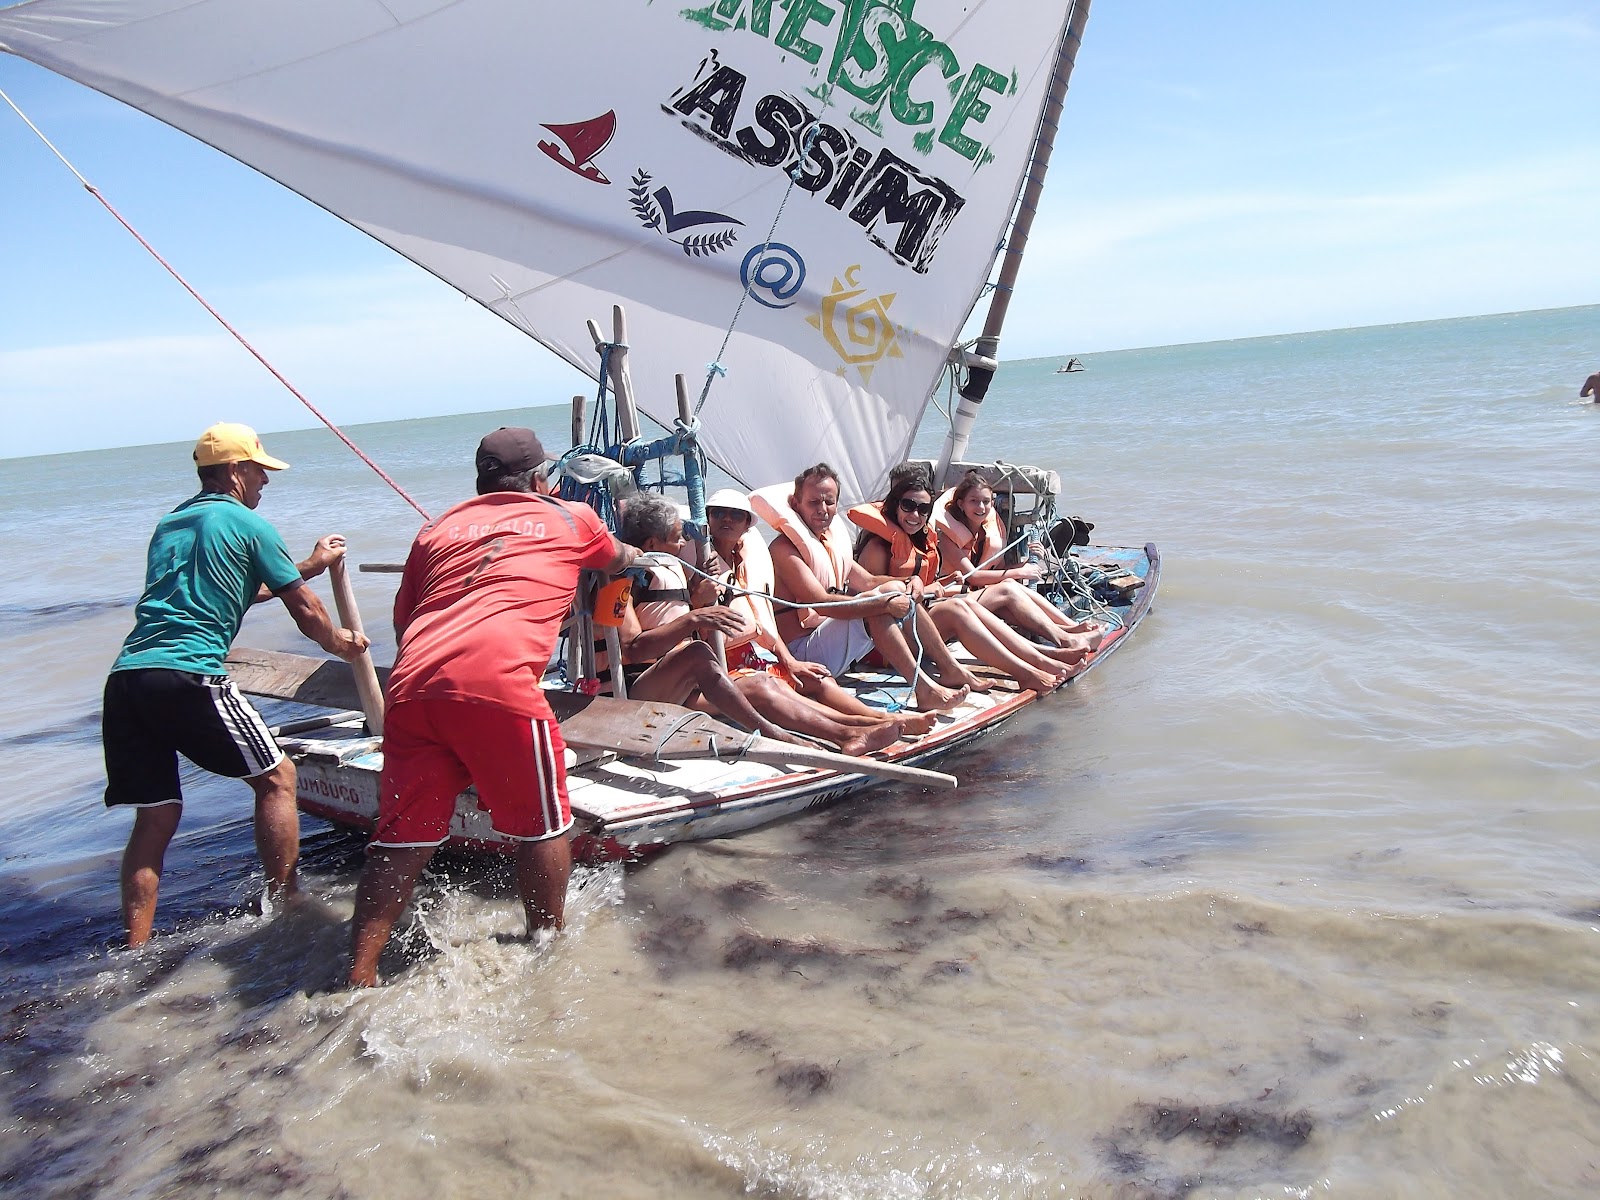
(239, 337)
(715, 369)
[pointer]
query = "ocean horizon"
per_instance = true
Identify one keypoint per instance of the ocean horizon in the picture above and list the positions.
(313, 424)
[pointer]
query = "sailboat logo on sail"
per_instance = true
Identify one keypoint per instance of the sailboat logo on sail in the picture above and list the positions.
(582, 140)
(856, 326)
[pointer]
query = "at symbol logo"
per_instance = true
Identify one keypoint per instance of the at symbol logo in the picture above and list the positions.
(772, 273)
(857, 326)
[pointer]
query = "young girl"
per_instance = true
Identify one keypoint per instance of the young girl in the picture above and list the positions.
(970, 534)
(899, 544)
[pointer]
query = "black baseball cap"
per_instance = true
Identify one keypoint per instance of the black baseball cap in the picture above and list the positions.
(510, 448)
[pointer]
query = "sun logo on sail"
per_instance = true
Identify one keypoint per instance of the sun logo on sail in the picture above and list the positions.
(656, 210)
(857, 326)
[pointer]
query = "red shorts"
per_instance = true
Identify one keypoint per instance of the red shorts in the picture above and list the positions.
(748, 659)
(433, 748)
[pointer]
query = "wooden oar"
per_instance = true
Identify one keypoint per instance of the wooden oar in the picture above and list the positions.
(344, 599)
(650, 729)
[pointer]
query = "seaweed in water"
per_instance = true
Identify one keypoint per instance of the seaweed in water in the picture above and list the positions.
(945, 968)
(673, 939)
(804, 1078)
(1070, 864)
(963, 916)
(912, 890)
(738, 895)
(746, 951)
(1221, 1125)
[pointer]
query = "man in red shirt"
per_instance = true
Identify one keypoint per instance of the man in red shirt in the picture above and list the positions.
(477, 616)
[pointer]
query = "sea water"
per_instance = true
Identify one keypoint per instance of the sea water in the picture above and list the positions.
(1299, 895)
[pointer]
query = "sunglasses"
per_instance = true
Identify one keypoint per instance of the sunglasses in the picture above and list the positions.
(718, 514)
(911, 506)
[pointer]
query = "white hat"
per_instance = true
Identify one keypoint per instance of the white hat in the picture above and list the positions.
(730, 498)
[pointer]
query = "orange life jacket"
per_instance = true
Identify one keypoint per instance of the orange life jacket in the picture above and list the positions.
(906, 560)
(663, 597)
(977, 546)
(828, 557)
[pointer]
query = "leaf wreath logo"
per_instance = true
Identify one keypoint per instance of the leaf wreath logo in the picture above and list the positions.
(656, 210)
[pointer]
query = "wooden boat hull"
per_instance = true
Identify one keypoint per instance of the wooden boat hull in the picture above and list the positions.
(627, 808)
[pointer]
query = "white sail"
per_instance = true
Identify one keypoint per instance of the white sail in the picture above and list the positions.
(550, 160)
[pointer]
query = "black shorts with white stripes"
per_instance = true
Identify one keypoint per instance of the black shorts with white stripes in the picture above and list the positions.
(151, 716)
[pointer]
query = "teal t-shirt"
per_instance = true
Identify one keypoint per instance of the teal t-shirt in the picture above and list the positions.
(207, 559)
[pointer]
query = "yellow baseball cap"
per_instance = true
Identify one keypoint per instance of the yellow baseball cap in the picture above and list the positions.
(227, 442)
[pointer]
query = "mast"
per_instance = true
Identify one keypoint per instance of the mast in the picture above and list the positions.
(981, 362)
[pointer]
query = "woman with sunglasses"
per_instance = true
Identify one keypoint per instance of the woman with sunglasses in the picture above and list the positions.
(898, 543)
(970, 533)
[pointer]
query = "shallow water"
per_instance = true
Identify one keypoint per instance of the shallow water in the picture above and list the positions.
(1298, 895)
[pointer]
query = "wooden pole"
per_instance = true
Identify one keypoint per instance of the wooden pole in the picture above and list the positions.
(619, 682)
(684, 409)
(694, 482)
(621, 381)
(577, 420)
(985, 353)
(367, 687)
(772, 751)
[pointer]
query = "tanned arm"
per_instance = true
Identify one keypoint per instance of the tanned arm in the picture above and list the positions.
(324, 554)
(313, 621)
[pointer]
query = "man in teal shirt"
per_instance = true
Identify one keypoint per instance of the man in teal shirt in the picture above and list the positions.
(168, 693)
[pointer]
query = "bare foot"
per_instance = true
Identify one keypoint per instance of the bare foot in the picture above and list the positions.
(1082, 643)
(872, 739)
(977, 683)
(1065, 655)
(931, 698)
(1040, 681)
(915, 724)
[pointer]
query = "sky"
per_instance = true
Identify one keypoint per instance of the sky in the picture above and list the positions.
(1224, 170)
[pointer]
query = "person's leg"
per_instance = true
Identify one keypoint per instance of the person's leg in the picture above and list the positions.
(142, 774)
(543, 869)
(891, 643)
(955, 618)
(1030, 612)
(277, 828)
(847, 706)
(951, 672)
(153, 827)
(692, 667)
(1086, 635)
(417, 790)
(1057, 662)
(387, 881)
(783, 706)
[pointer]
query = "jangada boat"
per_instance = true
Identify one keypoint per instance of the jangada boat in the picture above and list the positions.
(802, 201)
